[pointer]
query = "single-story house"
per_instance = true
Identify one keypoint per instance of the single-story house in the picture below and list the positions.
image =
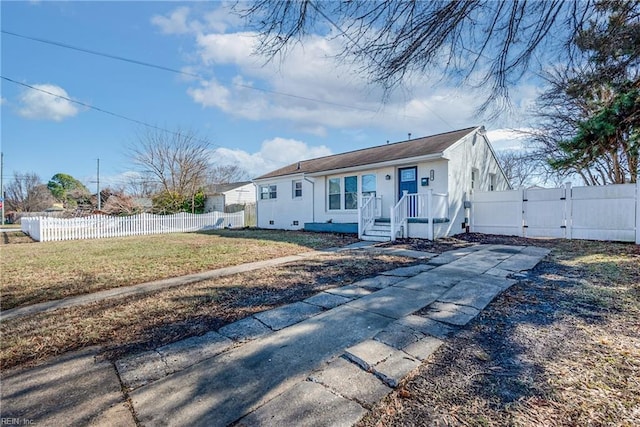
(220, 197)
(415, 188)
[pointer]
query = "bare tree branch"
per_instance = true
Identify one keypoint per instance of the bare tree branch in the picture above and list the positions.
(485, 43)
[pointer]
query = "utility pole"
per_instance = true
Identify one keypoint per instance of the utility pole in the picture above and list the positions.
(2, 184)
(98, 185)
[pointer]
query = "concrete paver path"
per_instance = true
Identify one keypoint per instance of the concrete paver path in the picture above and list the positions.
(322, 361)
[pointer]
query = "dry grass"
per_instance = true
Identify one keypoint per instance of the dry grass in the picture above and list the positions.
(561, 348)
(38, 272)
(129, 324)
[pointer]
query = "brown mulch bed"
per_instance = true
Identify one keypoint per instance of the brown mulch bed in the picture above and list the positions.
(559, 348)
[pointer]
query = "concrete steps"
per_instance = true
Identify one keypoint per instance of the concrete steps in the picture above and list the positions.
(378, 232)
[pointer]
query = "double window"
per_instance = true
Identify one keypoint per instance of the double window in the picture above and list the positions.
(268, 192)
(343, 191)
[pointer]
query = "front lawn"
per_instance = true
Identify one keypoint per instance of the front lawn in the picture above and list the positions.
(37, 272)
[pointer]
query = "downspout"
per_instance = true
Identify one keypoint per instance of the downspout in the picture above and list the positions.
(257, 198)
(313, 198)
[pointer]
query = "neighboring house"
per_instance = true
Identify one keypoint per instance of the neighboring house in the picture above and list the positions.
(220, 197)
(415, 188)
(145, 204)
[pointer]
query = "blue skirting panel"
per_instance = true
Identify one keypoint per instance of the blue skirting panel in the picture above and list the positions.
(417, 220)
(332, 227)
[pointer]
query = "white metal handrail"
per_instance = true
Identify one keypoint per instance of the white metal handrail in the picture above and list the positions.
(366, 213)
(427, 205)
(398, 217)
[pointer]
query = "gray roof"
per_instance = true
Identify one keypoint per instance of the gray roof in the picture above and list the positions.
(417, 147)
(223, 188)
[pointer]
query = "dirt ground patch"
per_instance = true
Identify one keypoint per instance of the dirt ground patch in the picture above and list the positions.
(560, 348)
(132, 324)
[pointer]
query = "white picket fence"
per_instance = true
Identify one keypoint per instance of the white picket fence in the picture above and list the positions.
(610, 212)
(45, 229)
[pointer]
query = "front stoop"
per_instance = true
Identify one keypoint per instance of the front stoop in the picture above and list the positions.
(378, 232)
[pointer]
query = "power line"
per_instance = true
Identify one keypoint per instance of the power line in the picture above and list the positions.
(102, 110)
(199, 76)
(97, 53)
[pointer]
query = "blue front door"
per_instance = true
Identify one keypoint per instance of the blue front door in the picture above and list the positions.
(408, 181)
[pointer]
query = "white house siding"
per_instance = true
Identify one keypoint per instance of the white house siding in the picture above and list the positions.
(384, 188)
(285, 212)
(241, 195)
(452, 175)
(214, 203)
(472, 152)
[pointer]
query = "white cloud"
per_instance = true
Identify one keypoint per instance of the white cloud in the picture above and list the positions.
(177, 22)
(235, 48)
(221, 18)
(327, 93)
(180, 22)
(508, 139)
(274, 153)
(40, 105)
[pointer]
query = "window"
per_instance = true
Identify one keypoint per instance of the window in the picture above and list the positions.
(408, 175)
(268, 192)
(492, 182)
(351, 192)
(343, 193)
(334, 193)
(296, 188)
(474, 178)
(368, 185)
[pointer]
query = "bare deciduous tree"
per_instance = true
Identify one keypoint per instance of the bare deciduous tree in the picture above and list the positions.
(141, 186)
(178, 162)
(27, 193)
(527, 168)
(116, 202)
(225, 174)
(486, 43)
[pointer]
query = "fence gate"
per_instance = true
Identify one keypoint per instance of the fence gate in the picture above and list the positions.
(545, 212)
(608, 212)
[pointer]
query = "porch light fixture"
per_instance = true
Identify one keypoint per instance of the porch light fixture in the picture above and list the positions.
(432, 174)
(387, 177)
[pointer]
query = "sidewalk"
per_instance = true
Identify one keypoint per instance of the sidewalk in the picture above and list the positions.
(322, 361)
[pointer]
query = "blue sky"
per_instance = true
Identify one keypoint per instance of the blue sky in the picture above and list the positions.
(236, 102)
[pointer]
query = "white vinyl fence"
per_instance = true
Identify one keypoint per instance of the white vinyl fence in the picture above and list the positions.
(99, 226)
(610, 212)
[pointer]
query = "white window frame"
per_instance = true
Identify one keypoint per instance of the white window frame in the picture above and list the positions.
(271, 192)
(375, 185)
(343, 194)
(339, 193)
(475, 179)
(296, 186)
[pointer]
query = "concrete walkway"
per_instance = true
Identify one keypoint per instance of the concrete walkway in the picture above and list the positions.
(322, 361)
